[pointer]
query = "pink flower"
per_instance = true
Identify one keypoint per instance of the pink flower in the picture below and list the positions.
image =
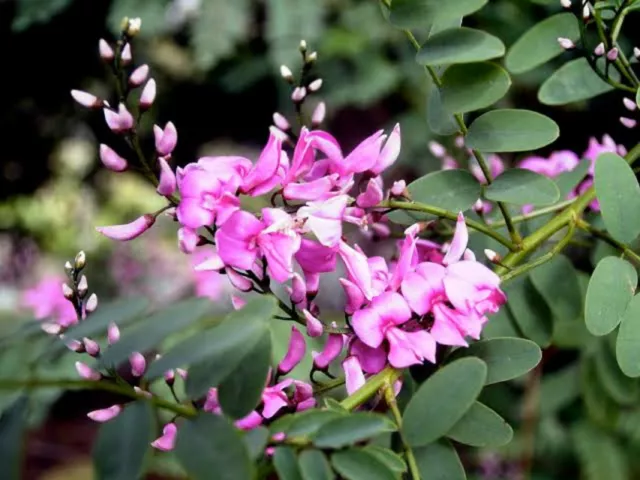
(332, 349)
(166, 139)
(237, 240)
(120, 120)
(167, 184)
(496, 167)
(138, 364)
(86, 372)
(262, 176)
(389, 153)
(295, 352)
(314, 326)
(459, 242)
(595, 149)
(314, 257)
(47, 302)
(558, 162)
(354, 377)
(111, 159)
(167, 441)
(372, 360)
(128, 231)
(105, 414)
(324, 219)
(148, 95)
(208, 283)
(252, 420)
(371, 196)
(275, 398)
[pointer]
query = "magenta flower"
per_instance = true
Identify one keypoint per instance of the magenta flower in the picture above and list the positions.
(389, 153)
(128, 231)
(295, 352)
(314, 257)
(262, 176)
(324, 219)
(371, 360)
(371, 196)
(353, 374)
(167, 441)
(252, 420)
(332, 349)
(167, 184)
(558, 162)
(595, 149)
(357, 268)
(287, 394)
(208, 281)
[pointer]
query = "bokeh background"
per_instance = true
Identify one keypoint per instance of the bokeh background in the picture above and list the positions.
(217, 67)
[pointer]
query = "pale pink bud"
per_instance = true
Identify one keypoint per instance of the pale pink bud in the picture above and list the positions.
(566, 43)
(586, 11)
(67, 291)
(105, 414)
(612, 55)
(280, 122)
(459, 141)
(317, 117)
(492, 256)
(169, 377)
(91, 347)
(111, 159)
(436, 149)
(629, 104)
(312, 57)
(86, 372)
(599, 50)
(51, 328)
(86, 99)
(372, 196)
(636, 52)
(237, 302)
(238, 281)
(295, 352)
(389, 153)
(187, 240)
(138, 364)
(278, 436)
(298, 94)
(331, 351)
(91, 303)
(166, 139)
(398, 188)
(148, 95)
(565, 3)
(106, 52)
(298, 289)
(143, 393)
(285, 73)
(182, 372)
(126, 55)
(314, 326)
(353, 374)
(119, 121)
(628, 122)
(167, 441)
(315, 85)
(128, 231)
(312, 283)
(74, 345)
(139, 75)
(113, 333)
(167, 184)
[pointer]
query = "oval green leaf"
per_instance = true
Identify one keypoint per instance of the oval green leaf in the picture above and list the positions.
(439, 120)
(511, 130)
(453, 190)
(210, 443)
(122, 445)
(529, 310)
(523, 187)
(390, 458)
(617, 385)
(314, 465)
(358, 464)
(459, 45)
(439, 461)
(540, 44)
(568, 181)
(481, 427)
(619, 195)
(565, 299)
(256, 440)
(573, 82)
(472, 86)
(307, 423)
(442, 400)
(628, 342)
(420, 13)
(611, 288)
(349, 429)
(506, 358)
(286, 464)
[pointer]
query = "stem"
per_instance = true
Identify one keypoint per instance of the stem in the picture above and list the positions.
(440, 212)
(72, 384)
(602, 235)
(369, 389)
(390, 398)
(330, 385)
(536, 213)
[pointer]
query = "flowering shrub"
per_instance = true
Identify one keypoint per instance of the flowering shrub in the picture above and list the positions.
(428, 328)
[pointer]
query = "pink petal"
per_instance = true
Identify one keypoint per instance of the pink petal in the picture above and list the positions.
(295, 352)
(236, 240)
(167, 184)
(332, 349)
(167, 441)
(459, 242)
(368, 326)
(389, 153)
(371, 196)
(128, 231)
(105, 414)
(354, 377)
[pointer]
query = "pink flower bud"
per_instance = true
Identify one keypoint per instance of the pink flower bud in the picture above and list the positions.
(311, 283)
(612, 55)
(237, 302)
(354, 376)
(636, 52)
(113, 333)
(629, 104)
(86, 372)
(599, 50)
(91, 347)
(298, 94)
(126, 55)
(628, 122)
(281, 122)
(138, 364)
(278, 436)
(469, 256)
(148, 95)
(565, 3)
(169, 377)
(128, 231)
(314, 326)
(285, 73)
(586, 12)
(165, 139)
(331, 351)
(298, 289)
(315, 85)
(491, 255)
(167, 184)
(317, 117)
(295, 352)
(106, 52)
(437, 150)
(111, 159)
(86, 99)
(105, 414)
(187, 240)
(398, 188)
(167, 441)
(51, 328)
(91, 303)
(182, 372)
(67, 291)
(119, 121)
(75, 345)
(566, 43)
(238, 281)
(139, 75)
(371, 196)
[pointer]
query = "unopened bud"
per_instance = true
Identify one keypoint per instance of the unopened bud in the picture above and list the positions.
(68, 268)
(241, 283)
(636, 52)
(106, 52)
(629, 104)
(315, 85)
(86, 99)
(586, 12)
(112, 160)
(139, 75)
(612, 55)
(492, 256)
(478, 206)
(628, 122)
(317, 117)
(170, 377)
(599, 50)
(303, 46)
(51, 328)
(398, 188)
(74, 345)
(105, 414)
(298, 94)
(280, 122)
(91, 347)
(148, 95)
(67, 291)
(113, 333)
(80, 261)
(120, 120)
(138, 364)
(133, 27)
(125, 55)
(566, 43)
(565, 3)
(285, 73)
(312, 57)
(436, 149)
(83, 286)
(91, 304)
(86, 372)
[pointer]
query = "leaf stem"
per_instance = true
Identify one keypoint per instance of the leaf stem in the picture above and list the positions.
(602, 235)
(369, 389)
(390, 398)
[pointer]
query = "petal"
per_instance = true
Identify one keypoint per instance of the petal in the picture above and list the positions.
(235, 240)
(444, 329)
(459, 242)
(354, 377)
(401, 354)
(392, 308)
(368, 326)
(295, 352)
(372, 359)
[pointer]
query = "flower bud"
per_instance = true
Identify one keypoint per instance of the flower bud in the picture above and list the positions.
(629, 104)
(167, 441)
(238, 281)
(237, 302)
(281, 122)
(166, 139)
(317, 117)
(566, 43)
(105, 414)
(565, 3)
(312, 57)
(636, 52)
(628, 122)
(167, 184)
(314, 326)
(285, 73)
(111, 159)
(437, 150)
(138, 364)
(354, 376)
(170, 377)
(315, 85)
(372, 196)
(51, 328)
(68, 268)
(80, 260)
(298, 94)
(612, 55)
(139, 75)
(398, 188)
(106, 52)
(113, 333)
(133, 27)
(492, 256)
(67, 291)
(187, 240)
(599, 50)
(295, 352)
(128, 231)
(586, 12)
(303, 46)
(91, 304)
(86, 372)
(91, 347)
(83, 286)
(298, 289)
(74, 345)
(148, 95)
(125, 55)
(141, 392)
(86, 99)
(331, 351)
(119, 121)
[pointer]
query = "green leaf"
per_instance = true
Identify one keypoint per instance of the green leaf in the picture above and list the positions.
(529, 310)
(628, 342)
(390, 458)
(506, 358)
(314, 466)
(459, 45)
(540, 44)
(13, 429)
(611, 288)
(511, 130)
(241, 391)
(568, 181)
(210, 443)
(600, 454)
(481, 427)
(563, 298)
(573, 82)
(442, 400)
(439, 120)
(286, 464)
(619, 195)
(307, 423)
(616, 384)
(472, 86)
(256, 440)
(122, 445)
(558, 389)
(523, 187)
(439, 461)
(30, 12)
(420, 13)
(155, 328)
(358, 464)
(350, 429)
